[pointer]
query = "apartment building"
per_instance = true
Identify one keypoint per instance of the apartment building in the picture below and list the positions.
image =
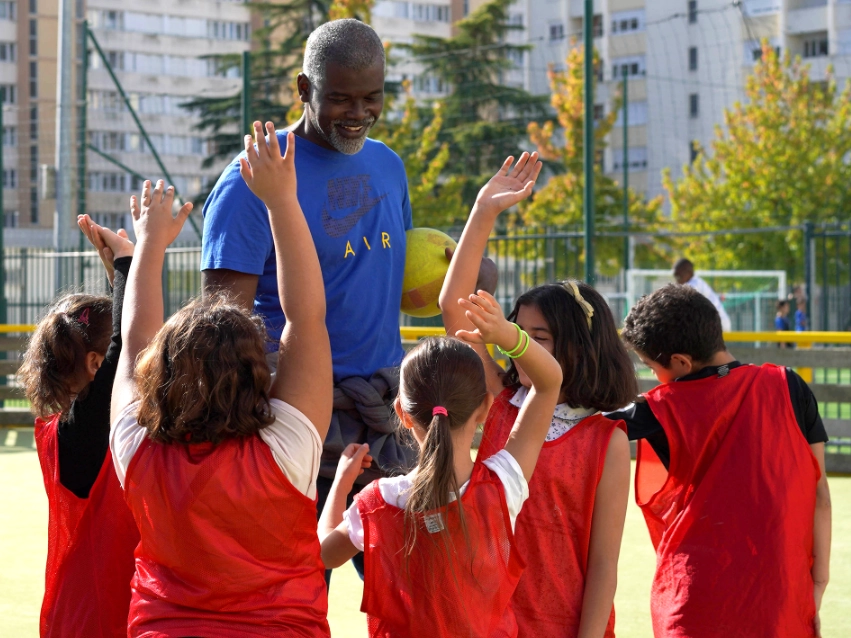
(685, 61)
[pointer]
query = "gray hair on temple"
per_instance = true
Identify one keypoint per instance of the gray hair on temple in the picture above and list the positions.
(349, 43)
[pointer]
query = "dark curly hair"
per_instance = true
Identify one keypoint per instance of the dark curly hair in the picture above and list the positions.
(204, 377)
(595, 365)
(53, 371)
(675, 319)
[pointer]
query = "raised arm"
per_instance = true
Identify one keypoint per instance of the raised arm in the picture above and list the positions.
(529, 431)
(155, 229)
(505, 189)
(304, 378)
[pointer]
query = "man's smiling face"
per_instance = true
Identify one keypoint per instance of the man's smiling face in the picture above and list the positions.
(344, 106)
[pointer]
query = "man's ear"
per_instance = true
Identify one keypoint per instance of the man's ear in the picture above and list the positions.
(404, 417)
(304, 87)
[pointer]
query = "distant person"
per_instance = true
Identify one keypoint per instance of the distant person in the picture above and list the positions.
(781, 321)
(684, 274)
(802, 324)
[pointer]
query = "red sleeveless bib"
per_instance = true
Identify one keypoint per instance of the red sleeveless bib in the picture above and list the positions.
(428, 595)
(732, 519)
(229, 546)
(90, 545)
(554, 526)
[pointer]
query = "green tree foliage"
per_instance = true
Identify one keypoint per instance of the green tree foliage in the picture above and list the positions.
(560, 201)
(780, 159)
(484, 120)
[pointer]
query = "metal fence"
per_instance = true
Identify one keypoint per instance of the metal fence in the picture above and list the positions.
(524, 258)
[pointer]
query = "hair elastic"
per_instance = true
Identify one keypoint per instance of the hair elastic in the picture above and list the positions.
(439, 409)
(587, 308)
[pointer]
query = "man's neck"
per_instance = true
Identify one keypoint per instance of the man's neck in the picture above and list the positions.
(305, 130)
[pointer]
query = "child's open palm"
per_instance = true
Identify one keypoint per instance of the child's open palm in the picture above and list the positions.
(510, 185)
(491, 325)
(152, 221)
(269, 175)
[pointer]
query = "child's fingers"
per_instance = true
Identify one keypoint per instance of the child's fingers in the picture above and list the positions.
(469, 337)
(145, 199)
(134, 207)
(260, 139)
(245, 169)
(274, 147)
(108, 254)
(289, 154)
(506, 165)
(250, 150)
(183, 213)
(528, 167)
(360, 453)
(168, 197)
(157, 195)
(486, 303)
(520, 165)
(123, 234)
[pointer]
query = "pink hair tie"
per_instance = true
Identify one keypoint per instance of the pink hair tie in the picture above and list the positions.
(439, 409)
(84, 317)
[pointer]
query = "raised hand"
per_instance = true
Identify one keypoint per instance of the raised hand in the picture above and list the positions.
(510, 185)
(110, 245)
(485, 313)
(269, 175)
(153, 222)
(354, 460)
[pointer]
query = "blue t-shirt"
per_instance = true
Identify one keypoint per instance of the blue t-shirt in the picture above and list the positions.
(358, 210)
(800, 321)
(781, 323)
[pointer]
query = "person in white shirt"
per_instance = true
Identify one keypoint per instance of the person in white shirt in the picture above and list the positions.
(684, 274)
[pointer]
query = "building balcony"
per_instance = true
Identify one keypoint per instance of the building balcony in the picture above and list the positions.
(807, 20)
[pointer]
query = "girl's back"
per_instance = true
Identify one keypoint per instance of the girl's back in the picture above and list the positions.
(262, 570)
(469, 579)
(553, 532)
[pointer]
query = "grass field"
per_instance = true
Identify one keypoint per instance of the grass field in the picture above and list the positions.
(23, 542)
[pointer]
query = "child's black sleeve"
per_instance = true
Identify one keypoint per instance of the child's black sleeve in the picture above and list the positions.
(805, 406)
(641, 423)
(84, 434)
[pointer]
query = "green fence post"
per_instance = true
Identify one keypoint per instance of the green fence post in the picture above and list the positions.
(809, 271)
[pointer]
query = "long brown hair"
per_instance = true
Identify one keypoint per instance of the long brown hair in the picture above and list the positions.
(597, 372)
(204, 377)
(439, 372)
(54, 363)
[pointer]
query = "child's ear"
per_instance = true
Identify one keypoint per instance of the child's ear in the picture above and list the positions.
(681, 365)
(404, 417)
(483, 409)
(93, 361)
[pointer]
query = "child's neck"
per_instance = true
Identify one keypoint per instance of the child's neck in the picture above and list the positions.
(463, 461)
(718, 359)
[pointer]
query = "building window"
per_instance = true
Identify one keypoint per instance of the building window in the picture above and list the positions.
(692, 59)
(10, 136)
(34, 205)
(637, 111)
(693, 105)
(8, 52)
(33, 7)
(10, 178)
(599, 112)
(33, 37)
(556, 31)
(8, 94)
(631, 66)
(692, 11)
(33, 79)
(34, 164)
(34, 123)
(693, 151)
(815, 48)
(7, 11)
(627, 22)
(597, 26)
(11, 219)
(636, 158)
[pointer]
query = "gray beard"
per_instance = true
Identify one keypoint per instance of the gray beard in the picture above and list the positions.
(339, 143)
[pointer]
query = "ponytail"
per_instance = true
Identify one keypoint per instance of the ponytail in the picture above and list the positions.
(54, 363)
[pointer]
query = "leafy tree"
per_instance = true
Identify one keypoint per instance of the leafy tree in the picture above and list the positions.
(560, 201)
(484, 120)
(780, 159)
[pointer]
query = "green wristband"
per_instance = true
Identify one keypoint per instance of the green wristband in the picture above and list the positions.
(524, 339)
(519, 342)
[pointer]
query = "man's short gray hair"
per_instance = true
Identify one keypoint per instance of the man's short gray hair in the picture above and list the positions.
(349, 43)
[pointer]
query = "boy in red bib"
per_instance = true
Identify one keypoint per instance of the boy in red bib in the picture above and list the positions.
(730, 479)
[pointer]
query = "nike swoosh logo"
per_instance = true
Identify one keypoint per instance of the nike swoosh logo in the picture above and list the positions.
(340, 226)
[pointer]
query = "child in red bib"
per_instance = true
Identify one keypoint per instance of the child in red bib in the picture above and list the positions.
(736, 500)
(440, 555)
(218, 460)
(569, 532)
(67, 374)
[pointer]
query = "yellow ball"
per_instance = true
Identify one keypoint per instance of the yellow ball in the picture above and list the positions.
(425, 269)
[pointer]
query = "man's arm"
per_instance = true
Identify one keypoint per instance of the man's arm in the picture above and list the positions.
(241, 286)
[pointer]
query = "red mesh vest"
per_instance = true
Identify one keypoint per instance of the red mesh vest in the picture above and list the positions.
(90, 545)
(732, 520)
(229, 546)
(553, 531)
(429, 597)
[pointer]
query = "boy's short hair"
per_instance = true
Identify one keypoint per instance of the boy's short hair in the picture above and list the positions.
(674, 320)
(782, 303)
